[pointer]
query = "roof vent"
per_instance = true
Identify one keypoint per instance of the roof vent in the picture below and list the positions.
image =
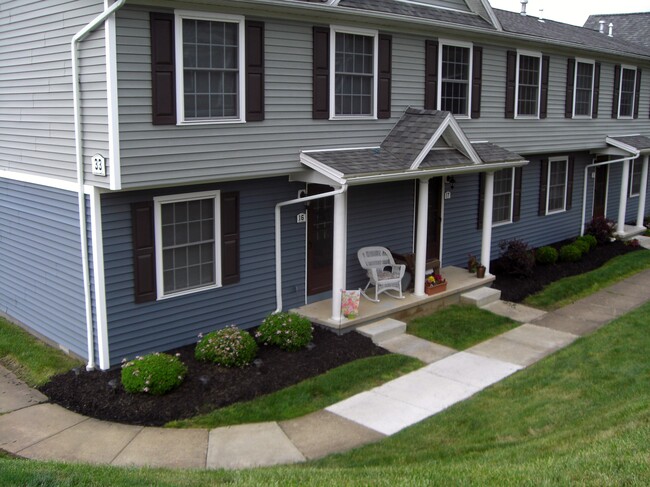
(541, 15)
(601, 26)
(523, 7)
(611, 30)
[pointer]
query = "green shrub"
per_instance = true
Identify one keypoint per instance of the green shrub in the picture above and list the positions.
(156, 373)
(230, 347)
(590, 239)
(601, 228)
(289, 331)
(570, 253)
(582, 245)
(546, 255)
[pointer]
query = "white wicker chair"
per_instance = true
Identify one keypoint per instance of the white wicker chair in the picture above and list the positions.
(382, 271)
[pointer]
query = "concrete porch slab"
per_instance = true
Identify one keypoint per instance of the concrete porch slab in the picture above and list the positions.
(15, 394)
(424, 350)
(515, 311)
(251, 445)
(473, 370)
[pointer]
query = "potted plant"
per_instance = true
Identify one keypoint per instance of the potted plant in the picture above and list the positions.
(480, 271)
(434, 284)
(472, 263)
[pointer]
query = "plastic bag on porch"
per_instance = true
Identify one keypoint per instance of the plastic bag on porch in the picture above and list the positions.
(350, 303)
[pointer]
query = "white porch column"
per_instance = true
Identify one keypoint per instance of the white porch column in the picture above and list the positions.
(643, 192)
(421, 237)
(486, 241)
(339, 254)
(622, 202)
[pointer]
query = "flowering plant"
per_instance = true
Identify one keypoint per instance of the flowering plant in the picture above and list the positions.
(229, 347)
(433, 279)
(156, 373)
(289, 331)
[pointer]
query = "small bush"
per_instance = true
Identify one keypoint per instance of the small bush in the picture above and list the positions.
(570, 253)
(601, 228)
(546, 255)
(582, 245)
(156, 374)
(230, 347)
(289, 331)
(590, 239)
(516, 257)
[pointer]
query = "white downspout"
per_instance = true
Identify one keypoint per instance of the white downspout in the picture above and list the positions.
(584, 186)
(278, 238)
(643, 191)
(76, 100)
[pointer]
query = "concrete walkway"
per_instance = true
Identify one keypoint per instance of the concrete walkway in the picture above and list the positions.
(32, 428)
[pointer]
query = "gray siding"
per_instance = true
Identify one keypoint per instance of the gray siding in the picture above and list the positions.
(36, 115)
(41, 282)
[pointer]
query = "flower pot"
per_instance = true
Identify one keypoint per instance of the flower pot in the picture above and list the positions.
(480, 272)
(436, 288)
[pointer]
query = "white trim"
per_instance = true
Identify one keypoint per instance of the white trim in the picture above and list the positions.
(537, 54)
(620, 92)
(512, 199)
(180, 89)
(466, 45)
(324, 169)
(429, 145)
(440, 7)
(115, 170)
(158, 202)
(334, 29)
(551, 160)
(43, 181)
(575, 88)
(617, 143)
(99, 296)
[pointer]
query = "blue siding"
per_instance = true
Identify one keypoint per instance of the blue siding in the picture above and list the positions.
(41, 282)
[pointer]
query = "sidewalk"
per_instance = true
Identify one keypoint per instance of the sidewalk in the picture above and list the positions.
(32, 428)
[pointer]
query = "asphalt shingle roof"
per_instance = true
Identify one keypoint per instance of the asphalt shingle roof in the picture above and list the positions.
(411, 133)
(633, 28)
(639, 142)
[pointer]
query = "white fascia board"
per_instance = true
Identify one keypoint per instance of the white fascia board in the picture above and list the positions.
(621, 145)
(432, 141)
(99, 296)
(112, 101)
(323, 169)
(44, 181)
(466, 144)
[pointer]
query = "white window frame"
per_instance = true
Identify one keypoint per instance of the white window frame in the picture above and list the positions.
(338, 29)
(512, 200)
(176, 198)
(448, 42)
(620, 91)
(180, 88)
(551, 160)
(633, 165)
(538, 55)
(575, 87)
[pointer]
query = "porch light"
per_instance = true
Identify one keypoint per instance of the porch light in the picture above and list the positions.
(451, 181)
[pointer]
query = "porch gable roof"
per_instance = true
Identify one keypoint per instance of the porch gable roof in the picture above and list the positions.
(636, 144)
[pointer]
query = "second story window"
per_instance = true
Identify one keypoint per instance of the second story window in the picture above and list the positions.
(354, 84)
(626, 95)
(209, 77)
(584, 85)
(454, 89)
(529, 75)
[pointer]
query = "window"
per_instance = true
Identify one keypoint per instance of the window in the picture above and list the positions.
(529, 76)
(455, 70)
(584, 85)
(557, 185)
(187, 249)
(354, 84)
(626, 95)
(635, 178)
(209, 73)
(503, 196)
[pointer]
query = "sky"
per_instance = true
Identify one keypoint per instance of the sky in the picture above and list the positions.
(574, 11)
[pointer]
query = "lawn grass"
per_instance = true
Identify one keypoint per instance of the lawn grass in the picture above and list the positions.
(460, 326)
(29, 358)
(579, 417)
(309, 395)
(570, 289)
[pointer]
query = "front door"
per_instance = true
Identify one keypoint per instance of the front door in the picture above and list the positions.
(320, 239)
(600, 191)
(434, 223)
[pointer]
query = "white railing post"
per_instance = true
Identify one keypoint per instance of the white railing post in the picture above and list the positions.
(421, 237)
(486, 241)
(622, 202)
(339, 254)
(643, 191)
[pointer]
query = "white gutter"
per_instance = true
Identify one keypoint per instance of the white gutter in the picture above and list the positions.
(584, 188)
(278, 238)
(76, 99)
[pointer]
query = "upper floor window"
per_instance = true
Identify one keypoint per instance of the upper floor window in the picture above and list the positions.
(627, 92)
(635, 178)
(529, 77)
(454, 89)
(209, 74)
(584, 87)
(353, 87)
(503, 196)
(556, 195)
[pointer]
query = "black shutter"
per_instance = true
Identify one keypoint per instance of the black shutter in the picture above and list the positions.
(481, 199)
(477, 81)
(637, 93)
(570, 81)
(543, 181)
(254, 71)
(229, 238)
(163, 78)
(431, 75)
(569, 184)
(596, 98)
(544, 95)
(321, 73)
(516, 205)
(617, 87)
(144, 255)
(511, 83)
(384, 61)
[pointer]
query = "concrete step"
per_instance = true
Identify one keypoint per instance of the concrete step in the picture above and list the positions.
(481, 297)
(383, 330)
(424, 350)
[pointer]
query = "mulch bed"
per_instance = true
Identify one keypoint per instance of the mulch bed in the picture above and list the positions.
(206, 387)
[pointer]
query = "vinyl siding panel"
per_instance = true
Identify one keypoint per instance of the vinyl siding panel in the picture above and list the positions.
(41, 282)
(36, 113)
